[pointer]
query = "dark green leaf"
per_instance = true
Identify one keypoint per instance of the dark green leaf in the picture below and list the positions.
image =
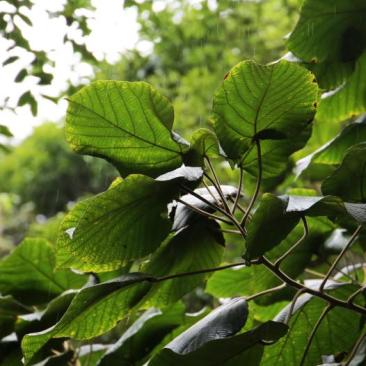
(10, 60)
(143, 335)
(28, 273)
(125, 222)
(126, 123)
(349, 180)
(272, 101)
(269, 226)
(4, 130)
(197, 247)
(10, 309)
(19, 78)
(245, 348)
(92, 312)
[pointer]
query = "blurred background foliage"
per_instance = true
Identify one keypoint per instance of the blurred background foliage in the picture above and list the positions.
(189, 48)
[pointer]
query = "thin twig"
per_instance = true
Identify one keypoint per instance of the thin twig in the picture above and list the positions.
(291, 282)
(314, 273)
(265, 292)
(238, 193)
(277, 263)
(204, 213)
(201, 271)
(331, 269)
(258, 184)
(313, 332)
(228, 231)
(209, 191)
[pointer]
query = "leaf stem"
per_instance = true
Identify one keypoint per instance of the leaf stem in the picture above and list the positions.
(293, 303)
(265, 292)
(355, 294)
(341, 254)
(236, 201)
(313, 332)
(291, 282)
(355, 349)
(201, 271)
(258, 184)
(204, 213)
(277, 263)
(217, 184)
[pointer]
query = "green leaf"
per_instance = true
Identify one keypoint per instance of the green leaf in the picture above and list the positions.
(332, 153)
(4, 130)
(10, 309)
(330, 338)
(329, 30)
(204, 143)
(273, 103)
(143, 335)
(19, 78)
(92, 312)
(123, 223)
(196, 247)
(127, 123)
(28, 273)
(269, 226)
(210, 341)
(348, 100)
(349, 180)
(10, 60)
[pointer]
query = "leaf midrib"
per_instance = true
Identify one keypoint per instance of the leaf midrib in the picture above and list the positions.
(124, 130)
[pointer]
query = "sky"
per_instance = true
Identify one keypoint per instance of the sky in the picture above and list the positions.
(113, 31)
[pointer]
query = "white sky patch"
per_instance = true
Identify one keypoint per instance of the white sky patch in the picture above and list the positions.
(113, 31)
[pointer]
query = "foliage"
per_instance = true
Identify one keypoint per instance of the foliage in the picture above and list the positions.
(155, 240)
(15, 23)
(54, 176)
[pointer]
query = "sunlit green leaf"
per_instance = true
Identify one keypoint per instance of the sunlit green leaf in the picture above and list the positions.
(125, 222)
(126, 123)
(28, 273)
(274, 104)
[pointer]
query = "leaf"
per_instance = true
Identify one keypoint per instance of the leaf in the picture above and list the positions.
(188, 173)
(197, 247)
(271, 216)
(18, 79)
(349, 180)
(204, 143)
(329, 30)
(183, 215)
(127, 123)
(142, 336)
(10, 60)
(125, 222)
(210, 343)
(28, 273)
(224, 321)
(348, 100)
(268, 102)
(330, 338)
(10, 309)
(4, 130)
(92, 312)
(332, 152)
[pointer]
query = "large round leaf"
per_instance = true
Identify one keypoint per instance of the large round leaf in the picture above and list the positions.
(126, 123)
(126, 222)
(273, 103)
